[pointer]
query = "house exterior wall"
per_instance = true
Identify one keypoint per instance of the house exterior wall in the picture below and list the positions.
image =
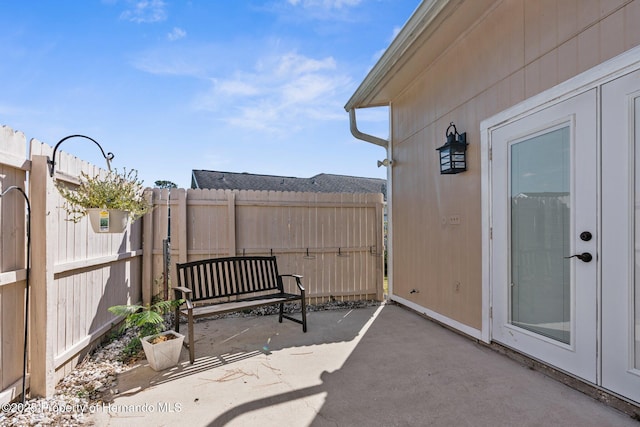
(515, 50)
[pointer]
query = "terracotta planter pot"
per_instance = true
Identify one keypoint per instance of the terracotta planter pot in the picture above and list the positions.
(164, 354)
(108, 220)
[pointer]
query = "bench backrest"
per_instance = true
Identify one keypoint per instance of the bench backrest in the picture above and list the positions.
(231, 276)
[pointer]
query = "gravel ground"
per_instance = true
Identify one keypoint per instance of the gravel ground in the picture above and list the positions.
(83, 391)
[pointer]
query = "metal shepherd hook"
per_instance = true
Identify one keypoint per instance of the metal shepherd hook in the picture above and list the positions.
(28, 268)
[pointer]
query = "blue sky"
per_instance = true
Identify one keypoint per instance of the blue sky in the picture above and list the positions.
(169, 86)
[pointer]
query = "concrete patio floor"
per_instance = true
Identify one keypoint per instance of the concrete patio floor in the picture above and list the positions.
(376, 366)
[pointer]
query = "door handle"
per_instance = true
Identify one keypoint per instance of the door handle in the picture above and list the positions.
(584, 256)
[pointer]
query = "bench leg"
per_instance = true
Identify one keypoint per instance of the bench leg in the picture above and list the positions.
(191, 340)
(304, 315)
(281, 312)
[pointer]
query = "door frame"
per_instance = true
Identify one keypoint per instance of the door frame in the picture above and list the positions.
(607, 71)
(594, 78)
(578, 116)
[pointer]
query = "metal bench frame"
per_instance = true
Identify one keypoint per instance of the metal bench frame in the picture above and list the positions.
(223, 285)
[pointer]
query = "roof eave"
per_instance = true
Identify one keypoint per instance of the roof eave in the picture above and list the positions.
(418, 23)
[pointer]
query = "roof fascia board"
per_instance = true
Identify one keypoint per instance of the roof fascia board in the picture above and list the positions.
(417, 24)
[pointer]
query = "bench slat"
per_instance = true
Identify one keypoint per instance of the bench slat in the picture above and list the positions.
(228, 307)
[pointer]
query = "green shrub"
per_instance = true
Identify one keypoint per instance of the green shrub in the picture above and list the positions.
(145, 319)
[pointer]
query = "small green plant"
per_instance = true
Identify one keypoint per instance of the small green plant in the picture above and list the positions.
(122, 191)
(146, 319)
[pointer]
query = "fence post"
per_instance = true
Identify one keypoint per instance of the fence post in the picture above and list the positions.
(183, 247)
(147, 252)
(379, 247)
(231, 226)
(44, 230)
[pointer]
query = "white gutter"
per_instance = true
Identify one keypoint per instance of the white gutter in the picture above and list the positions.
(386, 143)
(364, 136)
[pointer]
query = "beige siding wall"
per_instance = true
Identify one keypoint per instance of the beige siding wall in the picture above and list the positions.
(517, 49)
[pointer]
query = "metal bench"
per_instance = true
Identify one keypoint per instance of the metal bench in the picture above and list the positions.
(222, 285)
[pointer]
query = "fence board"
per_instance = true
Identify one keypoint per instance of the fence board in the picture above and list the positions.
(13, 165)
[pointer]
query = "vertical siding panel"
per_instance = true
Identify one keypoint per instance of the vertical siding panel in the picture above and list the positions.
(567, 60)
(589, 48)
(567, 15)
(588, 12)
(631, 19)
(612, 32)
(532, 48)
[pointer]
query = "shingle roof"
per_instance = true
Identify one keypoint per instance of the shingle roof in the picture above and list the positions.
(321, 183)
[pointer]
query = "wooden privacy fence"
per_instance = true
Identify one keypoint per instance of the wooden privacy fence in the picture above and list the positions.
(75, 273)
(335, 240)
(13, 171)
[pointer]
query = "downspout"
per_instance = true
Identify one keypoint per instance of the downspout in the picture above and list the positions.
(364, 136)
(386, 143)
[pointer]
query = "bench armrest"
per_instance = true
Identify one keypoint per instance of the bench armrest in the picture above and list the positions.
(298, 282)
(183, 293)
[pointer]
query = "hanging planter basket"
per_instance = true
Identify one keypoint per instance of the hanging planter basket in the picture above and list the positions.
(108, 220)
(111, 201)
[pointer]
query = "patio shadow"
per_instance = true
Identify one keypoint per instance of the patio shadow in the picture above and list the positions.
(408, 371)
(226, 341)
(382, 366)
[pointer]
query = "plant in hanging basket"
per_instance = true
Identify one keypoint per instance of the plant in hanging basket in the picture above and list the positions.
(113, 191)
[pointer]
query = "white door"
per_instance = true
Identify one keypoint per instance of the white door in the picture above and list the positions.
(621, 236)
(543, 172)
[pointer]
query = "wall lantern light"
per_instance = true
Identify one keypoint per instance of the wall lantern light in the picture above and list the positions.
(453, 154)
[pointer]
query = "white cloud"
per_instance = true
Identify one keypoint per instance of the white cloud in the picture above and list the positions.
(274, 93)
(176, 34)
(293, 64)
(238, 88)
(145, 11)
(174, 65)
(280, 93)
(325, 4)
(178, 60)
(306, 89)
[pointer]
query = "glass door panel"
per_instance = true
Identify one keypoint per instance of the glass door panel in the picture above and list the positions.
(540, 234)
(543, 196)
